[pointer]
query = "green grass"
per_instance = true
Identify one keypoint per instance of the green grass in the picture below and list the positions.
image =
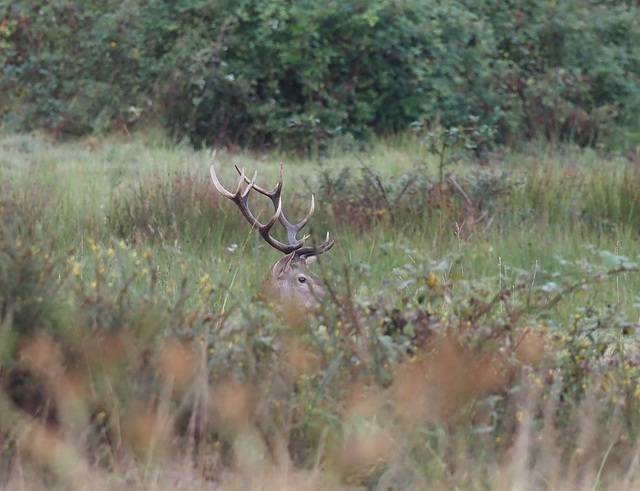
(135, 349)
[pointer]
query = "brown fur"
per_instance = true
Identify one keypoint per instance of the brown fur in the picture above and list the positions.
(292, 287)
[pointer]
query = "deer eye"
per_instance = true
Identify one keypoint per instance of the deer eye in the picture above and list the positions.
(302, 279)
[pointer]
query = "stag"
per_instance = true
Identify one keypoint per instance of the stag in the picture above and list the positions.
(289, 284)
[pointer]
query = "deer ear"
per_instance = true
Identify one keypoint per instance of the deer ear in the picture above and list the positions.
(308, 260)
(283, 265)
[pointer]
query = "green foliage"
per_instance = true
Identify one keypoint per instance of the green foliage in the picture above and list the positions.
(30, 298)
(297, 74)
(570, 198)
(461, 341)
(77, 68)
(571, 56)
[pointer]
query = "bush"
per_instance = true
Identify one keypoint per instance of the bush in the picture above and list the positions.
(271, 73)
(30, 298)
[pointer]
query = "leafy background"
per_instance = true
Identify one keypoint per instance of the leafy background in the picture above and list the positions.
(296, 74)
(480, 326)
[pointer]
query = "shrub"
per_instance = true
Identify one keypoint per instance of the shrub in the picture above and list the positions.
(296, 75)
(568, 56)
(340, 69)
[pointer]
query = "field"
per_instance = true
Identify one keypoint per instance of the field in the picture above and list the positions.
(479, 329)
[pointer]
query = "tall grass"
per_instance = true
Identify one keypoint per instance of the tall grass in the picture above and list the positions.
(477, 333)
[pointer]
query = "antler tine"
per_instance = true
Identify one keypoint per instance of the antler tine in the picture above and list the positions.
(241, 199)
(264, 230)
(275, 195)
(304, 221)
(221, 189)
(315, 251)
(250, 184)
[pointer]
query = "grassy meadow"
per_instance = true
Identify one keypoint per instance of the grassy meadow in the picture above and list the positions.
(479, 329)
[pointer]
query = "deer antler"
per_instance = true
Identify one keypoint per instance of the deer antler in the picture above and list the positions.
(241, 197)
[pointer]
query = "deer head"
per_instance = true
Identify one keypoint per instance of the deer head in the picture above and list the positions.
(289, 283)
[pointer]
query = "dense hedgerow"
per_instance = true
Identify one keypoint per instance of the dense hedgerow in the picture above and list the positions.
(298, 73)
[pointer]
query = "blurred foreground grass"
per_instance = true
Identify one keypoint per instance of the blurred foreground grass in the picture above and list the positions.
(479, 332)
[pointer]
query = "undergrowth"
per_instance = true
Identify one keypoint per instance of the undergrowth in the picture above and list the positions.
(133, 361)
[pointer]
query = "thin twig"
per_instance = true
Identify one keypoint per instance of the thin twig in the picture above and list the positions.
(451, 180)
